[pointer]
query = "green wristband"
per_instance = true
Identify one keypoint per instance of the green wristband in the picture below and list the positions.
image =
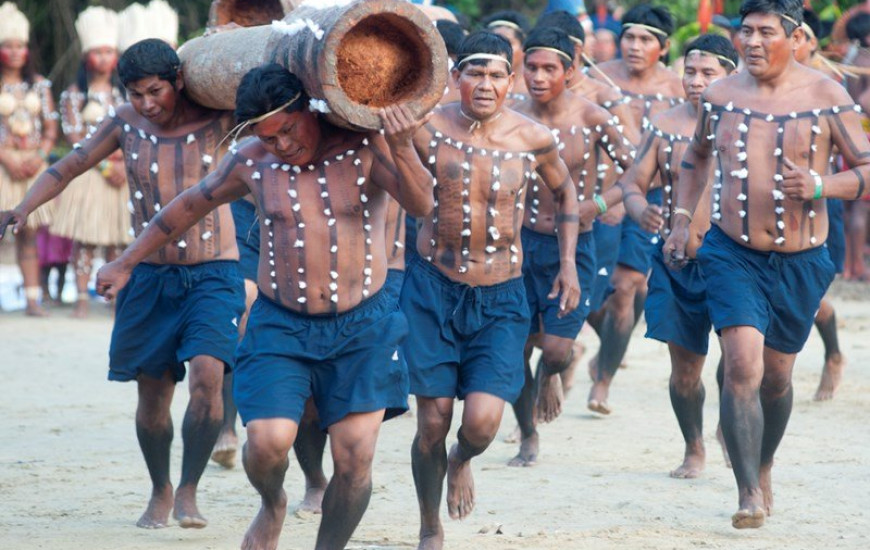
(820, 187)
(600, 203)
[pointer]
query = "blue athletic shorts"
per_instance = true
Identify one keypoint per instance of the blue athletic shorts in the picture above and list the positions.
(836, 242)
(606, 253)
(393, 284)
(636, 246)
(776, 293)
(463, 339)
(247, 237)
(676, 305)
(540, 268)
(168, 314)
(348, 363)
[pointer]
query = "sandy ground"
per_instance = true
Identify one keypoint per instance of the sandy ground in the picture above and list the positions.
(71, 475)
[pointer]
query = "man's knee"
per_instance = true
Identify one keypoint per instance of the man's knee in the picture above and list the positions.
(480, 426)
(556, 353)
(433, 421)
(353, 465)
(206, 378)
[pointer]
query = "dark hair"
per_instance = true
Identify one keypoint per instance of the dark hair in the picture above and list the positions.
(561, 19)
(813, 22)
(658, 17)
(484, 42)
(717, 45)
(510, 16)
(150, 57)
(790, 8)
(266, 88)
(858, 27)
(551, 37)
(452, 33)
(83, 79)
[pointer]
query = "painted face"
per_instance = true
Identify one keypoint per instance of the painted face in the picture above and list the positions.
(292, 137)
(102, 60)
(483, 88)
(640, 49)
(766, 48)
(13, 54)
(154, 99)
(545, 75)
(516, 44)
(700, 71)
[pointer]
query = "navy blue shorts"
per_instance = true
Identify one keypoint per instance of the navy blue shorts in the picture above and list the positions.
(836, 242)
(247, 237)
(636, 246)
(393, 284)
(676, 305)
(540, 268)
(464, 339)
(776, 293)
(348, 363)
(168, 314)
(606, 253)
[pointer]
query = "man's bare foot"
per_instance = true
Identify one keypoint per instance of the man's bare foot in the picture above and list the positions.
(832, 373)
(528, 455)
(156, 516)
(721, 439)
(186, 512)
(549, 401)
(597, 401)
(266, 528)
(567, 375)
(514, 436)
(765, 481)
(35, 310)
(692, 466)
(80, 310)
(224, 452)
(431, 541)
(460, 486)
(748, 518)
(312, 501)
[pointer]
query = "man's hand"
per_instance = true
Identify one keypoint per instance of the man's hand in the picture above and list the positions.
(674, 250)
(116, 176)
(15, 218)
(111, 278)
(566, 287)
(798, 184)
(400, 125)
(588, 212)
(651, 219)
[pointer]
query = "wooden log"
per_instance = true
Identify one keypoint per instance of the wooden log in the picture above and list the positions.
(356, 58)
(245, 13)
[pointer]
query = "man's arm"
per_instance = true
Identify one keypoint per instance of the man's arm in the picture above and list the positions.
(219, 187)
(555, 175)
(50, 183)
(400, 172)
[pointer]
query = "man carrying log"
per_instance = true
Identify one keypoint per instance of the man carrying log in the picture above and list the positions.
(184, 302)
(323, 325)
(464, 294)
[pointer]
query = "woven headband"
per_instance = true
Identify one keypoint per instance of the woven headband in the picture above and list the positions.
(711, 54)
(485, 56)
(650, 28)
(234, 133)
(560, 53)
(504, 23)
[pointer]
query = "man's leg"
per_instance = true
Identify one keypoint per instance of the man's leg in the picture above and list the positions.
(742, 418)
(556, 355)
(619, 320)
(154, 431)
(687, 400)
(202, 423)
(265, 459)
(225, 449)
(481, 418)
(429, 465)
(84, 261)
(777, 396)
(524, 410)
(832, 373)
(352, 442)
(309, 446)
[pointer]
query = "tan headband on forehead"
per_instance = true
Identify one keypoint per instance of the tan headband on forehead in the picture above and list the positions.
(576, 40)
(484, 56)
(807, 29)
(790, 19)
(560, 53)
(235, 132)
(650, 28)
(504, 23)
(716, 55)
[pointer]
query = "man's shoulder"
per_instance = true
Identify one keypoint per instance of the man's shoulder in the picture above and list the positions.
(722, 90)
(824, 88)
(531, 134)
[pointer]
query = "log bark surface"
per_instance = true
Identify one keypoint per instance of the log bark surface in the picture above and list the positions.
(371, 53)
